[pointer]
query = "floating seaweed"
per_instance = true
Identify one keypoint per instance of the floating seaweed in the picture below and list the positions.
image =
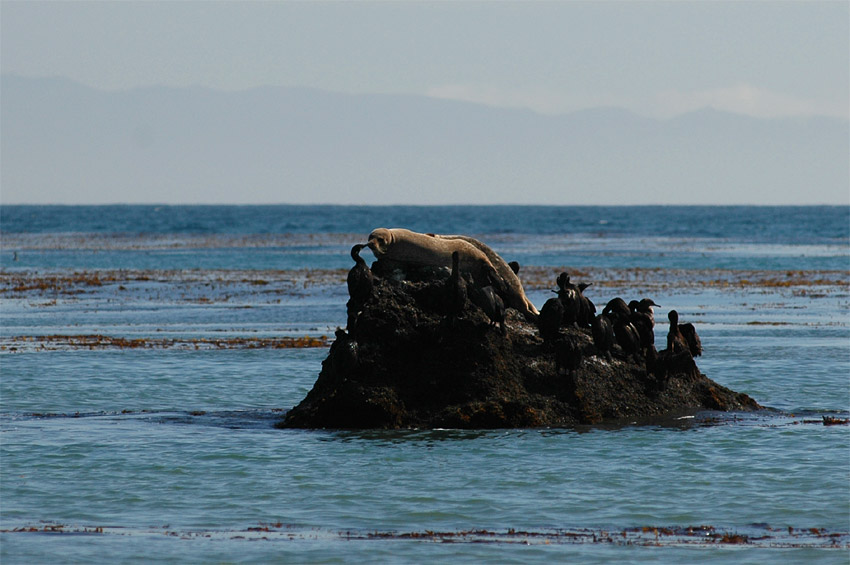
(760, 536)
(97, 341)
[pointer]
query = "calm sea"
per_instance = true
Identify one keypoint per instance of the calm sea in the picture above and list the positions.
(140, 381)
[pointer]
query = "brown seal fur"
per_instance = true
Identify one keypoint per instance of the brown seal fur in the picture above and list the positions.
(405, 246)
(480, 261)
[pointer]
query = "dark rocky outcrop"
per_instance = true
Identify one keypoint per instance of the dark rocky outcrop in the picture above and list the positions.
(407, 362)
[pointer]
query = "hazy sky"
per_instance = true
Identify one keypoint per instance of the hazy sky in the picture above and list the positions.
(766, 59)
(655, 58)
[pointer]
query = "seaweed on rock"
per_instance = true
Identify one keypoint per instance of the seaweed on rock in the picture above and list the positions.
(407, 361)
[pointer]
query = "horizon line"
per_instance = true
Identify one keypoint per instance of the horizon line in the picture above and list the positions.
(465, 205)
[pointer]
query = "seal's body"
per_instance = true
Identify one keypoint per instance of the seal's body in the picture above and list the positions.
(405, 246)
(485, 266)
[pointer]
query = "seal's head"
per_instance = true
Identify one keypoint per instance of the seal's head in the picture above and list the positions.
(379, 241)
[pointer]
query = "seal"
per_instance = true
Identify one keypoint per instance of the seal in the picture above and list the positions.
(476, 259)
(405, 246)
(514, 293)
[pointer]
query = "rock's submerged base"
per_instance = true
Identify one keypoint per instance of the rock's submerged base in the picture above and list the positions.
(404, 363)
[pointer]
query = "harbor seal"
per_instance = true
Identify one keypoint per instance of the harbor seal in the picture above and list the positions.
(485, 266)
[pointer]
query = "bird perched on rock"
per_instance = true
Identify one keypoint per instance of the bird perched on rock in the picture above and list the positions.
(676, 342)
(627, 335)
(570, 296)
(549, 321)
(587, 309)
(689, 332)
(492, 305)
(567, 355)
(344, 354)
(643, 320)
(360, 279)
(552, 314)
(645, 305)
(616, 307)
(456, 291)
(602, 330)
(514, 267)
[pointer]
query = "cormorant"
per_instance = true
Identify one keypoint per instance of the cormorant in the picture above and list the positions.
(627, 335)
(344, 354)
(570, 296)
(492, 305)
(675, 340)
(360, 278)
(567, 355)
(616, 307)
(587, 309)
(689, 332)
(456, 293)
(643, 323)
(603, 334)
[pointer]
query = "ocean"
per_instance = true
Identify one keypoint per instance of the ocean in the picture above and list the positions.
(146, 353)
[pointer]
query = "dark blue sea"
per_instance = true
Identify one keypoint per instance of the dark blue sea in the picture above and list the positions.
(147, 351)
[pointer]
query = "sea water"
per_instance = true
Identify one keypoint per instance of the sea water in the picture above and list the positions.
(167, 451)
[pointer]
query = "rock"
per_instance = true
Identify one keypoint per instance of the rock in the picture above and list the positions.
(417, 368)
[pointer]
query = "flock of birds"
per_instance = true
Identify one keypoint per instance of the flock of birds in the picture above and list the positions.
(628, 325)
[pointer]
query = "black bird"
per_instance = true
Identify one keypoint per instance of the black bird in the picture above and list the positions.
(617, 307)
(587, 309)
(514, 267)
(492, 305)
(643, 323)
(603, 334)
(570, 296)
(627, 336)
(689, 332)
(676, 342)
(456, 292)
(567, 355)
(550, 318)
(344, 354)
(645, 305)
(360, 279)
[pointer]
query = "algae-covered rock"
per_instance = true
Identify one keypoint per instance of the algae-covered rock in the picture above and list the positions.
(407, 360)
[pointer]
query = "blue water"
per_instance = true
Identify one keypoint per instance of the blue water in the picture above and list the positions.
(170, 455)
(755, 224)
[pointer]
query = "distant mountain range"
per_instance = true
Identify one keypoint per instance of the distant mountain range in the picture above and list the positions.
(62, 142)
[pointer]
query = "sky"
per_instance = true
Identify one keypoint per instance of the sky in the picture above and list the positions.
(658, 59)
(654, 58)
